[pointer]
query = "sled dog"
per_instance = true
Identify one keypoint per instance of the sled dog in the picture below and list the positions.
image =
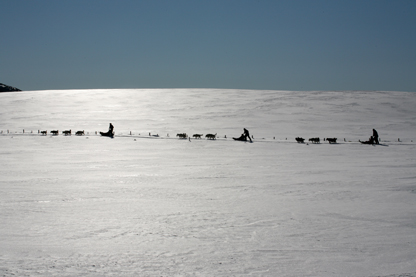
(182, 135)
(300, 140)
(211, 136)
(332, 140)
(314, 140)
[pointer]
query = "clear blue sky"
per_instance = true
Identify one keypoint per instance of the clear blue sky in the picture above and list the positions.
(259, 44)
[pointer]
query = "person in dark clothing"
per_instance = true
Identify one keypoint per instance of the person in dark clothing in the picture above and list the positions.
(244, 136)
(371, 140)
(247, 134)
(374, 139)
(110, 132)
(375, 136)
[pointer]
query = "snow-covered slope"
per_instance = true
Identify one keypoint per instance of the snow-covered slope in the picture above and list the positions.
(140, 205)
(268, 114)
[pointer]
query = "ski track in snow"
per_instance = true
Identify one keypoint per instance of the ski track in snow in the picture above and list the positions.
(139, 205)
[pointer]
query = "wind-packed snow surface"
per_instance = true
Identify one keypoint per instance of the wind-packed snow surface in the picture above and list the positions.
(147, 203)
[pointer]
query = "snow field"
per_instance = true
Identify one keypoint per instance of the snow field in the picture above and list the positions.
(140, 206)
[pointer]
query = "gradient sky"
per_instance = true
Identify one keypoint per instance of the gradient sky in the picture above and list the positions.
(259, 44)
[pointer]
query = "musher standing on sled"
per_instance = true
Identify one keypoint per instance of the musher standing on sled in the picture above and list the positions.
(110, 132)
(375, 136)
(244, 136)
(247, 134)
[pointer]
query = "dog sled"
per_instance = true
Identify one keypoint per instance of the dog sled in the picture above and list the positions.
(242, 138)
(107, 134)
(370, 141)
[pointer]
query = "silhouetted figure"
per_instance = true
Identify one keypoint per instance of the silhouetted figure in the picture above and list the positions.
(247, 134)
(110, 132)
(244, 136)
(375, 137)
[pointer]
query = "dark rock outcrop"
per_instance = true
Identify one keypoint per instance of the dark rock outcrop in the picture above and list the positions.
(5, 88)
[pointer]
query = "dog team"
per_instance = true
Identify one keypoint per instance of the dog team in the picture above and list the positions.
(184, 136)
(373, 140)
(316, 140)
(65, 133)
(197, 136)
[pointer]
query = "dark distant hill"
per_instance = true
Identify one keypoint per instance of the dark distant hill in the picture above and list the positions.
(5, 88)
